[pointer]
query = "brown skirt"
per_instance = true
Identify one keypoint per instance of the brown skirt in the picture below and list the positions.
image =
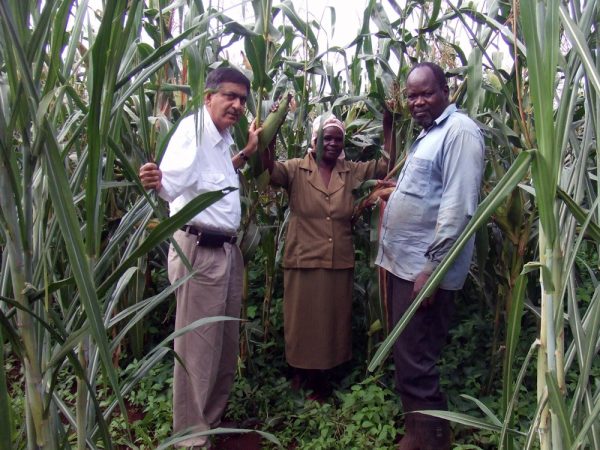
(317, 317)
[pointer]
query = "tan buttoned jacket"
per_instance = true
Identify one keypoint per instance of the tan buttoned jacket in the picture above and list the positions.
(319, 233)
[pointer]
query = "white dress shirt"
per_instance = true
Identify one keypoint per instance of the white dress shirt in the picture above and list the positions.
(198, 160)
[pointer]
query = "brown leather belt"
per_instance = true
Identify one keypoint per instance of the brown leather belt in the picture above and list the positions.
(209, 238)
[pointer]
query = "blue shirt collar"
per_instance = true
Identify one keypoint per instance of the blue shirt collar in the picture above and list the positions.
(451, 108)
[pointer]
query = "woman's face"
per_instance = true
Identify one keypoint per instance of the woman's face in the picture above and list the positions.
(333, 143)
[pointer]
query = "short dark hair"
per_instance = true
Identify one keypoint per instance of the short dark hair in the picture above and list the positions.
(438, 72)
(226, 75)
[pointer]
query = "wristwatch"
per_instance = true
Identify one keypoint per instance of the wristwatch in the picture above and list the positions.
(243, 156)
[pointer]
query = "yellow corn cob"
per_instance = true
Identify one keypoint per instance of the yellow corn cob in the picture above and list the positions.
(273, 122)
(269, 128)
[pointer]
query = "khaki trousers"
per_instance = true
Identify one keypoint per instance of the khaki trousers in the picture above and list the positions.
(202, 385)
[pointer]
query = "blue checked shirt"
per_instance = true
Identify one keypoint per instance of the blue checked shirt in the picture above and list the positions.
(436, 195)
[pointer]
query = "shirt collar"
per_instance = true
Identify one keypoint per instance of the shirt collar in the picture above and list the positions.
(451, 108)
(309, 162)
(212, 136)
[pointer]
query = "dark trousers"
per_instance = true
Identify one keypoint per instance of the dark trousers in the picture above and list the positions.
(418, 348)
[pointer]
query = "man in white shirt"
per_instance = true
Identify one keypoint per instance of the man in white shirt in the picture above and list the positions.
(198, 160)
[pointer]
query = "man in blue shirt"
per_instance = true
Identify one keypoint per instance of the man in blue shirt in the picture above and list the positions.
(435, 196)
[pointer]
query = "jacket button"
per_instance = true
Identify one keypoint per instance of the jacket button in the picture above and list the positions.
(328, 218)
(330, 240)
(326, 197)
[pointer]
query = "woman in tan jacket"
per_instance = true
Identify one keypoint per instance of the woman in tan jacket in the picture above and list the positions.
(319, 254)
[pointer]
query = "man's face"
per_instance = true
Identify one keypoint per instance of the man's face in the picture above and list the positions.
(427, 100)
(227, 104)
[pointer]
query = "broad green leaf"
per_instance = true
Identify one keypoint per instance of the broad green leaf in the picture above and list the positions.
(590, 421)
(464, 419)
(187, 434)
(151, 69)
(474, 79)
(509, 408)
(513, 332)
(165, 230)
(102, 58)
(235, 28)
(592, 229)
(141, 309)
(484, 408)
(541, 31)
(585, 332)
(165, 51)
(436, 10)
(59, 35)
(256, 52)
(578, 40)
(74, 38)
(287, 8)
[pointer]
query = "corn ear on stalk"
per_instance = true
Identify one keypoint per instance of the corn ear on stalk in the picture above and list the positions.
(269, 128)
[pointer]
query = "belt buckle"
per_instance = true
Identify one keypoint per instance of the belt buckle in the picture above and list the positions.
(210, 239)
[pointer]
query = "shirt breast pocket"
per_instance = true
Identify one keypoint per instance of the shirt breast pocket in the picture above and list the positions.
(211, 181)
(413, 193)
(417, 178)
